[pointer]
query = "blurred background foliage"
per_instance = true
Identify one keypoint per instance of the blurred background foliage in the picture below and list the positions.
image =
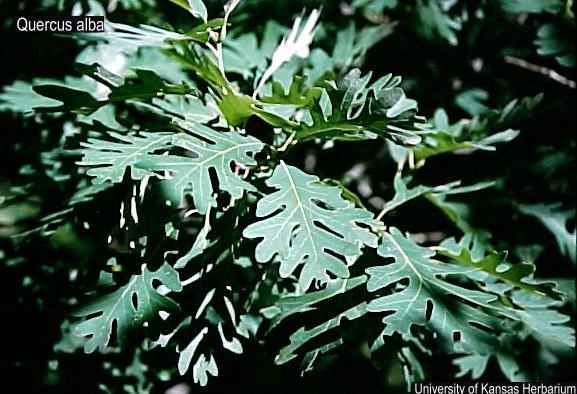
(459, 60)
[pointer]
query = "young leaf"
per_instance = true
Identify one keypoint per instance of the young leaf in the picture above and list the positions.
(296, 43)
(198, 9)
(516, 275)
(482, 132)
(404, 194)
(353, 109)
(130, 38)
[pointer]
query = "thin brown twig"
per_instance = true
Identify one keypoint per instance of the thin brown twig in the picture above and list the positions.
(552, 74)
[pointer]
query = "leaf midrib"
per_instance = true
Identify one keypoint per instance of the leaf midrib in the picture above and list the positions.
(300, 207)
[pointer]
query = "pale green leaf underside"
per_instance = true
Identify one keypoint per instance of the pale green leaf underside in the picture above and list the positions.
(222, 152)
(205, 149)
(118, 308)
(306, 222)
(450, 309)
(110, 159)
(201, 367)
(303, 335)
(291, 305)
(198, 354)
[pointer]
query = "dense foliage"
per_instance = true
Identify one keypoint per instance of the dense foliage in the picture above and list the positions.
(247, 195)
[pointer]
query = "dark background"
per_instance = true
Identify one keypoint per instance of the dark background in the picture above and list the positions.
(32, 315)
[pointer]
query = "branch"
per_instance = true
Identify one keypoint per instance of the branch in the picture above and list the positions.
(549, 73)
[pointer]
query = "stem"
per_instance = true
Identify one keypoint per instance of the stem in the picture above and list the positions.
(287, 143)
(314, 133)
(385, 210)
